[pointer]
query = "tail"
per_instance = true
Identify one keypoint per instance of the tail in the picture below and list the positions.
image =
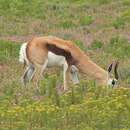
(22, 54)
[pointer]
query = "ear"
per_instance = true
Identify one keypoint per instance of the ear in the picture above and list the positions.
(110, 68)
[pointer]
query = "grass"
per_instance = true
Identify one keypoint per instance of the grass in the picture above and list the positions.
(93, 107)
(98, 27)
(117, 47)
(8, 50)
(23, 18)
(84, 106)
(96, 44)
(119, 23)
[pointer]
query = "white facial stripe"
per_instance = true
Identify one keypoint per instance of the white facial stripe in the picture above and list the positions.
(109, 82)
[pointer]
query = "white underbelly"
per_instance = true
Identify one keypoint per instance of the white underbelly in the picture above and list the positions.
(55, 60)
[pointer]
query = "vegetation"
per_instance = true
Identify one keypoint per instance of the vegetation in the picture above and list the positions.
(88, 107)
(98, 27)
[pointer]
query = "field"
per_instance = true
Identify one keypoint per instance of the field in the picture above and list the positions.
(101, 28)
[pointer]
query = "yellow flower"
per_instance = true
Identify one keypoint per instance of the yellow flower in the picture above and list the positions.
(40, 109)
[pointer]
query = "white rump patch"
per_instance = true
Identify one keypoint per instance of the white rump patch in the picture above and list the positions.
(22, 53)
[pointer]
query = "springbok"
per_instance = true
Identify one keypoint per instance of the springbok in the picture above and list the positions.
(37, 51)
(53, 60)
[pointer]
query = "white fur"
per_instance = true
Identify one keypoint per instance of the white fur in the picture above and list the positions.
(53, 60)
(22, 54)
(109, 82)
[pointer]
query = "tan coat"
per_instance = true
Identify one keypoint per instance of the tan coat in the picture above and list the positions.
(38, 48)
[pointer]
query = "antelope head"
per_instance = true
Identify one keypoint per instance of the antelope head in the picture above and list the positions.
(113, 80)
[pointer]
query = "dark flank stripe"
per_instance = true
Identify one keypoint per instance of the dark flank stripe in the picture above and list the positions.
(59, 51)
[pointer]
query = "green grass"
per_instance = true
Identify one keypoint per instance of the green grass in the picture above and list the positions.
(90, 107)
(8, 50)
(84, 106)
(117, 47)
(98, 27)
(122, 18)
(23, 18)
(85, 20)
(66, 24)
(119, 23)
(96, 44)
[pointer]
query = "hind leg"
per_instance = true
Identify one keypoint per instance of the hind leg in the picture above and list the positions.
(28, 74)
(67, 69)
(39, 70)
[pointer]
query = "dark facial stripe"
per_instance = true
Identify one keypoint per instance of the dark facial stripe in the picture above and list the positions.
(59, 51)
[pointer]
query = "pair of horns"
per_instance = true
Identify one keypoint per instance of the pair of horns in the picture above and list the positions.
(115, 70)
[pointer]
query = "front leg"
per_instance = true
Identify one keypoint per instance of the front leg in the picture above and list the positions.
(67, 69)
(74, 74)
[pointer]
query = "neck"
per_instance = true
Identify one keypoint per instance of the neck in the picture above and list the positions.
(92, 70)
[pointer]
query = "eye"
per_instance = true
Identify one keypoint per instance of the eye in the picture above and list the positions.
(113, 82)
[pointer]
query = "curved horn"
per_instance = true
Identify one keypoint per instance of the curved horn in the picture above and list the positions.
(110, 68)
(115, 70)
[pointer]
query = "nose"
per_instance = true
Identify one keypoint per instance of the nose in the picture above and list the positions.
(113, 82)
